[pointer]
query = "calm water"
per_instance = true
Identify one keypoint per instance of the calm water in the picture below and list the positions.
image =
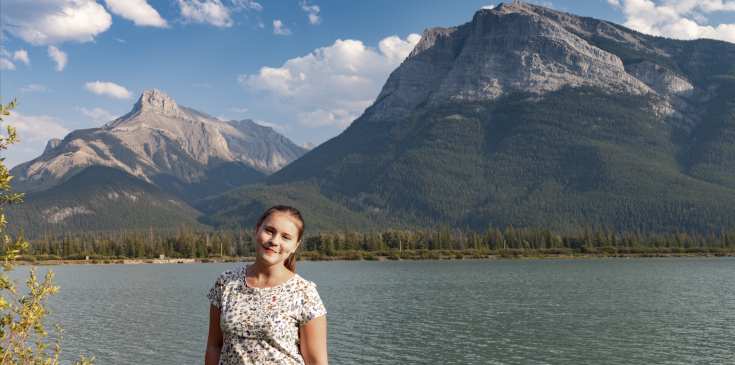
(577, 311)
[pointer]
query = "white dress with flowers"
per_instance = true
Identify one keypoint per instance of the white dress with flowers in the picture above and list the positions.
(261, 325)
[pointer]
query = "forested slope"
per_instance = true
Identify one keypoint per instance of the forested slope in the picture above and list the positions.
(98, 199)
(576, 156)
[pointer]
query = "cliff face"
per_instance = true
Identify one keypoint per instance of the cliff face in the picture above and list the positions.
(185, 151)
(522, 47)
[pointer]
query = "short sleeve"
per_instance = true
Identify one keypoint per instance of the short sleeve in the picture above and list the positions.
(215, 294)
(311, 305)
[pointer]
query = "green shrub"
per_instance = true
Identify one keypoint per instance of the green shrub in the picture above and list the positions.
(609, 250)
(557, 251)
(27, 258)
(47, 257)
(696, 250)
(587, 250)
(353, 256)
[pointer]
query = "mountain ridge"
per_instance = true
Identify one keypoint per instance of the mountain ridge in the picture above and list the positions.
(589, 123)
(185, 151)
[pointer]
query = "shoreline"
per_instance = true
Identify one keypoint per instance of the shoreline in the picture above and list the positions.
(219, 260)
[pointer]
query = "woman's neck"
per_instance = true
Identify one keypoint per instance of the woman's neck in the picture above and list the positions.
(261, 275)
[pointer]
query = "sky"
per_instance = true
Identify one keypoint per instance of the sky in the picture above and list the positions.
(305, 68)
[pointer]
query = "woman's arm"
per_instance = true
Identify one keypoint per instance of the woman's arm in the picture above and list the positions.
(214, 341)
(314, 341)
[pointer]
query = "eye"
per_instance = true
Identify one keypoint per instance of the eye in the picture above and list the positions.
(287, 237)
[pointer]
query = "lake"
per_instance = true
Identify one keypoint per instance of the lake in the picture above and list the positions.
(557, 311)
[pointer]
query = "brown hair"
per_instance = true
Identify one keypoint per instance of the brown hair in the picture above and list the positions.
(290, 262)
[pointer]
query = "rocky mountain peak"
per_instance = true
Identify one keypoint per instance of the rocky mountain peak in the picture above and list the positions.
(52, 143)
(156, 101)
(184, 150)
(515, 47)
(515, 6)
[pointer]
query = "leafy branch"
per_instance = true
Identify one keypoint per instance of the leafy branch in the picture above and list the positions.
(21, 328)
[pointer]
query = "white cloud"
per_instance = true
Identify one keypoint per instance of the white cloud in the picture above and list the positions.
(139, 11)
(22, 55)
(237, 110)
(275, 126)
(109, 89)
(5, 64)
(33, 88)
(119, 40)
(261, 25)
(332, 85)
(676, 18)
(246, 4)
(279, 29)
(33, 132)
(99, 115)
(222, 118)
(36, 128)
(58, 56)
(320, 117)
(214, 11)
(312, 12)
(488, 7)
(43, 22)
(207, 11)
(208, 86)
(396, 50)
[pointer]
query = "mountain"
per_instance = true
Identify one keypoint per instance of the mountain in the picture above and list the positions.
(100, 198)
(525, 116)
(187, 152)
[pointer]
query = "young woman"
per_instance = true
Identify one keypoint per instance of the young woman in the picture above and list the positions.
(265, 313)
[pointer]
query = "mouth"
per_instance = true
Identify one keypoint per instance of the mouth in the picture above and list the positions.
(268, 250)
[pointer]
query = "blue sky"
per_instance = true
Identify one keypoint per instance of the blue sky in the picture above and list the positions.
(306, 68)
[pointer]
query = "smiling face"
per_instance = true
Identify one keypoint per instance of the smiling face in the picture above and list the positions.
(276, 238)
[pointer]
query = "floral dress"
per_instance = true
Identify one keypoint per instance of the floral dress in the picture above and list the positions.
(261, 325)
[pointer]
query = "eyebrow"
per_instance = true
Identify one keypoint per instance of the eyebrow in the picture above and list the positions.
(274, 228)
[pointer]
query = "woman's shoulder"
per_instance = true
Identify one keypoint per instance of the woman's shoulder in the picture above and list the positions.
(302, 284)
(232, 275)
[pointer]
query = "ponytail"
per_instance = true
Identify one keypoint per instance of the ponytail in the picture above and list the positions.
(290, 262)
